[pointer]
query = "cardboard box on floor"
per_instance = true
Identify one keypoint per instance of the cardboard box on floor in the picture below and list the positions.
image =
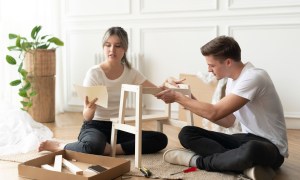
(202, 91)
(116, 167)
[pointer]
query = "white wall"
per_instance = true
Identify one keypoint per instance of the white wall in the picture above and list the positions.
(168, 33)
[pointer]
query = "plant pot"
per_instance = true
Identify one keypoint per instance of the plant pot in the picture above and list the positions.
(40, 62)
(40, 65)
(43, 104)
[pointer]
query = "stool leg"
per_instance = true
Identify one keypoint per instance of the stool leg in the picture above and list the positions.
(159, 126)
(138, 148)
(138, 126)
(113, 142)
(114, 130)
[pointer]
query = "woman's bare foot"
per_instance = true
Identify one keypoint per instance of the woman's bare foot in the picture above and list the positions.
(50, 145)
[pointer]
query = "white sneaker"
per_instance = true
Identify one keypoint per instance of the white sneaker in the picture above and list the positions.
(179, 156)
(260, 173)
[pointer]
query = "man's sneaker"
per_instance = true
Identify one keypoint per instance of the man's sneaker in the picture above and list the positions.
(179, 156)
(260, 173)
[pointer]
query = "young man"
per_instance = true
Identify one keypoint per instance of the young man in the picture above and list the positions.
(251, 99)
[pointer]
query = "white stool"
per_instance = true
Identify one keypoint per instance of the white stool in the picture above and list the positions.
(165, 118)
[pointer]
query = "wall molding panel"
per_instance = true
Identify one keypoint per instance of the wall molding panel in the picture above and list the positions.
(177, 6)
(244, 4)
(276, 44)
(168, 34)
(79, 8)
(144, 31)
(78, 60)
(165, 47)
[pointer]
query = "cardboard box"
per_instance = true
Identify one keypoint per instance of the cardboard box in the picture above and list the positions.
(116, 167)
(202, 91)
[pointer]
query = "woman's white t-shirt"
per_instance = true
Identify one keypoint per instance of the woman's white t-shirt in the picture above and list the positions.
(263, 114)
(96, 76)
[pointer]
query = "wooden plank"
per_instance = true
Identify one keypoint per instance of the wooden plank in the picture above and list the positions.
(58, 163)
(180, 86)
(145, 117)
(125, 127)
(151, 90)
(130, 87)
(47, 167)
(71, 167)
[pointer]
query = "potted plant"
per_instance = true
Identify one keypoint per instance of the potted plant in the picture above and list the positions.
(35, 59)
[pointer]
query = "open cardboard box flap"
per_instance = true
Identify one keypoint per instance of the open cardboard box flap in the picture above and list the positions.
(115, 166)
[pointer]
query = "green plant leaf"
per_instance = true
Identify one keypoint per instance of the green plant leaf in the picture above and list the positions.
(20, 67)
(24, 73)
(18, 42)
(23, 93)
(15, 82)
(33, 93)
(27, 86)
(12, 36)
(11, 60)
(26, 45)
(43, 37)
(44, 46)
(13, 48)
(23, 38)
(35, 31)
(24, 103)
(29, 104)
(56, 41)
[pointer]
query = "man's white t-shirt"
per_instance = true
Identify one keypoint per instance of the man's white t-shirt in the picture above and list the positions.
(96, 76)
(263, 114)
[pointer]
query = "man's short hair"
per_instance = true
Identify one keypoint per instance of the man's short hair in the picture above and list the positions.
(221, 48)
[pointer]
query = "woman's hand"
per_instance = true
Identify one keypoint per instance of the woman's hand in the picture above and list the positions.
(89, 109)
(172, 82)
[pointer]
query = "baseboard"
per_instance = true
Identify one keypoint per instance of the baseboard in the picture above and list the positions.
(292, 123)
(73, 108)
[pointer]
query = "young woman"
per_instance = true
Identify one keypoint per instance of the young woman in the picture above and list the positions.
(95, 134)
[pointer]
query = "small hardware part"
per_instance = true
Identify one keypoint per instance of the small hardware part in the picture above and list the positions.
(147, 173)
(191, 169)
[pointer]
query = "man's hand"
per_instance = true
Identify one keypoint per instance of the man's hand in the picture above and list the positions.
(168, 96)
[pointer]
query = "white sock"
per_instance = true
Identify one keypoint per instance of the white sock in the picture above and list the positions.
(193, 161)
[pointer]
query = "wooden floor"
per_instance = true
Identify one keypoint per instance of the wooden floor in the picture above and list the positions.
(67, 126)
